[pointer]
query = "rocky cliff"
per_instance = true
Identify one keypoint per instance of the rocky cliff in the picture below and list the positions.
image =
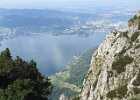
(114, 73)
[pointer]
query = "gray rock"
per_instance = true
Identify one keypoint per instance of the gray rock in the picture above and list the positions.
(114, 73)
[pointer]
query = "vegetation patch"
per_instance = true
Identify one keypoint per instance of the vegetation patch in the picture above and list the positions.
(136, 97)
(122, 52)
(137, 81)
(125, 34)
(120, 63)
(136, 90)
(110, 73)
(20, 80)
(137, 46)
(76, 98)
(135, 36)
(119, 93)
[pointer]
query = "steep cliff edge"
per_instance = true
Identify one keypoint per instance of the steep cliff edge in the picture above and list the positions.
(114, 73)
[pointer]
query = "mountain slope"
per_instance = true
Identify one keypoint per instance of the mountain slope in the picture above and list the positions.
(69, 81)
(114, 73)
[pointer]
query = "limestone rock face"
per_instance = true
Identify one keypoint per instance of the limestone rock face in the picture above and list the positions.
(114, 73)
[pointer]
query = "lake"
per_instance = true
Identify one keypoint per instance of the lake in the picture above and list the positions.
(50, 52)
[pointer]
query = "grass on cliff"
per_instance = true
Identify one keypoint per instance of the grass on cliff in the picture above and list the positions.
(120, 63)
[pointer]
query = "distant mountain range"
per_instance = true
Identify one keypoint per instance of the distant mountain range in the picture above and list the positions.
(37, 18)
(25, 21)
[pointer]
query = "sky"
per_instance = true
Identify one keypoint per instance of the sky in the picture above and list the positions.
(56, 4)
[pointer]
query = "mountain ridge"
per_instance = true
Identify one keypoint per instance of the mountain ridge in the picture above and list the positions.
(114, 72)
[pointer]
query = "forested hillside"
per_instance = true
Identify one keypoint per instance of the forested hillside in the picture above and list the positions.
(21, 80)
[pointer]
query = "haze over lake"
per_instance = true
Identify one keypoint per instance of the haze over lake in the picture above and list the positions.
(51, 52)
(53, 37)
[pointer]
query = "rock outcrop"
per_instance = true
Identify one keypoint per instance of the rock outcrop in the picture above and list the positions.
(134, 23)
(114, 73)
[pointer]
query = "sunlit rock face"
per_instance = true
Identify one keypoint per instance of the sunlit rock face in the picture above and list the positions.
(114, 73)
